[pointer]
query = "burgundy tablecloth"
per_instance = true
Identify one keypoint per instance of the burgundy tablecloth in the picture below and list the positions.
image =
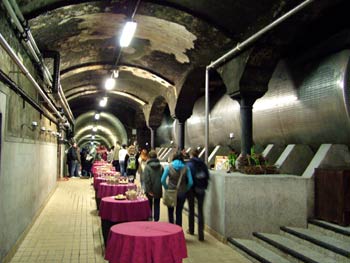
(146, 242)
(98, 180)
(105, 189)
(124, 210)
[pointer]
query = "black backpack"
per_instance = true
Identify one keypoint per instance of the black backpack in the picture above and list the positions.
(201, 176)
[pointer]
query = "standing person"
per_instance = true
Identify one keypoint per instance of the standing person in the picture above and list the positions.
(68, 161)
(174, 171)
(74, 157)
(142, 160)
(103, 150)
(152, 175)
(130, 161)
(122, 153)
(200, 176)
(84, 163)
(110, 154)
(116, 156)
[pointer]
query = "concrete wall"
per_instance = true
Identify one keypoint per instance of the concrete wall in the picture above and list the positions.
(238, 204)
(27, 177)
(29, 163)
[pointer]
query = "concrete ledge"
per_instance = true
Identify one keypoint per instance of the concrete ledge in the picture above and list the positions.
(237, 204)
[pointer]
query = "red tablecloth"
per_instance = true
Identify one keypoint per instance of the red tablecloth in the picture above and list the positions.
(98, 181)
(124, 210)
(105, 189)
(146, 242)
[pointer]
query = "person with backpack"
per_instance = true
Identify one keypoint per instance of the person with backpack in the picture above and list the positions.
(176, 170)
(200, 176)
(152, 175)
(130, 162)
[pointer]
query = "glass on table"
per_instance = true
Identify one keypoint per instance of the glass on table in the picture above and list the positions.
(131, 178)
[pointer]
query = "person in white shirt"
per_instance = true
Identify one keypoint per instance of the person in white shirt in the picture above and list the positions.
(122, 153)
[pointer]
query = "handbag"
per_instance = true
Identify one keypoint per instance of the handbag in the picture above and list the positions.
(170, 195)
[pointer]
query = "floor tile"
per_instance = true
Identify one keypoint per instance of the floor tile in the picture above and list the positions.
(69, 230)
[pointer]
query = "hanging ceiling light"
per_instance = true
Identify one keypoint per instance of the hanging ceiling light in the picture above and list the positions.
(97, 116)
(103, 102)
(94, 129)
(93, 137)
(115, 73)
(128, 33)
(110, 83)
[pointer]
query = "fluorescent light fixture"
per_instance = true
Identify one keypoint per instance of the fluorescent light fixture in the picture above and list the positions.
(110, 83)
(94, 129)
(128, 33)
(115, 73)
(97, 116)
(103, 102)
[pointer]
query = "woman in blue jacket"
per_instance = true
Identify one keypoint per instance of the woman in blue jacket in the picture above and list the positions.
(170, 178)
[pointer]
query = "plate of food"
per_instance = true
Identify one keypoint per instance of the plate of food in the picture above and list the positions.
(123, 182)
(120, 197)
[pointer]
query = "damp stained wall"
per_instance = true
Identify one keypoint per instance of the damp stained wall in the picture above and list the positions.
(29, 163)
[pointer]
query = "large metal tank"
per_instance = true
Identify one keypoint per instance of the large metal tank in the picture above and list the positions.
(306, 104)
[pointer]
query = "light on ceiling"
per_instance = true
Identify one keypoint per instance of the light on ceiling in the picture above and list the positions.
(94, 129)
(115, 73)
(97, 116)
(110, 83)
(93, 137)
(103, 102)
(128, 33)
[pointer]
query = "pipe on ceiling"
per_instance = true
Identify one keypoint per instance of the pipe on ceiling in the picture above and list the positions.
(234, 52)
(28, 39)
(22, 26)
(12, 85)
(56, 85)
(25, 71)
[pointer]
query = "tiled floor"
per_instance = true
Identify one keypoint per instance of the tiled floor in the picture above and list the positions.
(68, 230)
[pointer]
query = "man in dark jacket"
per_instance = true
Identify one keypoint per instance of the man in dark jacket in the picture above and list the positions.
(152, 175)
(200, 175)
(73, 157)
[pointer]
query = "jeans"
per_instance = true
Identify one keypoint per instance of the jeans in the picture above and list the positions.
(199, 195)
(121, 165)
(181, 198)
(74, 168)
(156, 209)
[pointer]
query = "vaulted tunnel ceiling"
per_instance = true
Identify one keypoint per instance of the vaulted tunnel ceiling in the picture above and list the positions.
(174, 40)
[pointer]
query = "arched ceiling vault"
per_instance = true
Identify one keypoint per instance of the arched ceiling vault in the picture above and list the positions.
(174, 41)
(108, 127)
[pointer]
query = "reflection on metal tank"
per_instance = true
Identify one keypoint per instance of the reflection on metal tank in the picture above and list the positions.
(164, 133)
(307, 105)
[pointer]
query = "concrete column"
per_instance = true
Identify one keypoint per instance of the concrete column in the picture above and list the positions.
(246, 111)
(181, 134)
(153, 137)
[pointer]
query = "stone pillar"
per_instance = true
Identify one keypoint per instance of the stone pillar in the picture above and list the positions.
(181, 134)
(153, 137)
(246, 111)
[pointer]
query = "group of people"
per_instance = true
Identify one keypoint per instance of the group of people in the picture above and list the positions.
(79, 161)
(194, 176)
(147, 169)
